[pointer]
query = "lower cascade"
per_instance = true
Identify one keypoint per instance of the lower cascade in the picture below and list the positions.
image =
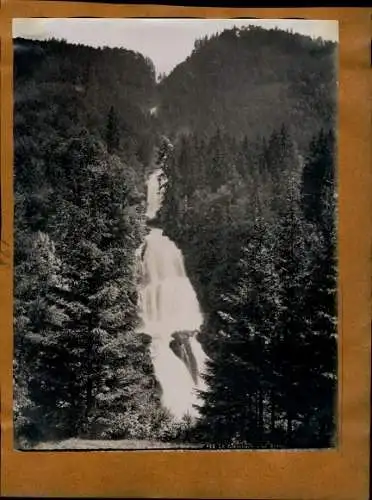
(171, 315)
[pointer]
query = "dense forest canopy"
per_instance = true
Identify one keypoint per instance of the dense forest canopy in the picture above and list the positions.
(98, 78)
(250, 81)
(259, 242)
(83, 141)
(244, 133)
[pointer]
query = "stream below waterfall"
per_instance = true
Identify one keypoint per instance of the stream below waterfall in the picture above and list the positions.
(170, 314)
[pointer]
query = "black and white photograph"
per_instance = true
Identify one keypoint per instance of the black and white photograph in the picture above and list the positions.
(175, 224)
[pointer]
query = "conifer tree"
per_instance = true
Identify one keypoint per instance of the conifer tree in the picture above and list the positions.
(112, 131)
(39, 339)
(318, 175)
(239, 375)
(99, 241)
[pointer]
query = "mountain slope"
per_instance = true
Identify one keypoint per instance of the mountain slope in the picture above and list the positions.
(249, 82)
(96, 79)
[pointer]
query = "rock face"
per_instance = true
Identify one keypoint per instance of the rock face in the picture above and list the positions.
(180, 345)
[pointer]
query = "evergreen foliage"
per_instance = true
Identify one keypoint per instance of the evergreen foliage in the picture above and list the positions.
(249, 198)
(80, 369)
(262, 259)
(249, 81)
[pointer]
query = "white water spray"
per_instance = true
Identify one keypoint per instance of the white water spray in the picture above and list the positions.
(168, 304)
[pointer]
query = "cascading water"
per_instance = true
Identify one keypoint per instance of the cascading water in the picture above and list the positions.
(171, 315)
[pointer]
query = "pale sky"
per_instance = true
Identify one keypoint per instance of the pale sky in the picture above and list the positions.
(167, 42)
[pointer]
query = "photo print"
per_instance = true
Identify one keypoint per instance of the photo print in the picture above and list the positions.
(175, 234)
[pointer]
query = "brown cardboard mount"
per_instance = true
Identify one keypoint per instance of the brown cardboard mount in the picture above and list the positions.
(339, 474)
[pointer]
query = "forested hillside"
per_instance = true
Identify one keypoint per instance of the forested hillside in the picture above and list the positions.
(244, 133)
(113, 84)
(83, 141)
(259, 238)
(250, 81)
(250, 200)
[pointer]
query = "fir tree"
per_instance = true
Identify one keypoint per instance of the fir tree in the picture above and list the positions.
(318, 175)
(39, 339)
(112, 131)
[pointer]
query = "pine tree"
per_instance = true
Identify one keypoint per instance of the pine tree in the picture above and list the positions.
(39, 340)
(112, 131)
(239, 385)
(318, 174)
(307, 348)
(218, 161)
(318, 197)
(292, 266)
(99, 241)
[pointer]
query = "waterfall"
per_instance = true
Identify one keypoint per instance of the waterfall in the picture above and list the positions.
(170, 314)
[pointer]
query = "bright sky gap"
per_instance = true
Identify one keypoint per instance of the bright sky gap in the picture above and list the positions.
(152, 37)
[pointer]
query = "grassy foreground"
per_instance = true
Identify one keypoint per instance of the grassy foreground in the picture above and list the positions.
(123, 444)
